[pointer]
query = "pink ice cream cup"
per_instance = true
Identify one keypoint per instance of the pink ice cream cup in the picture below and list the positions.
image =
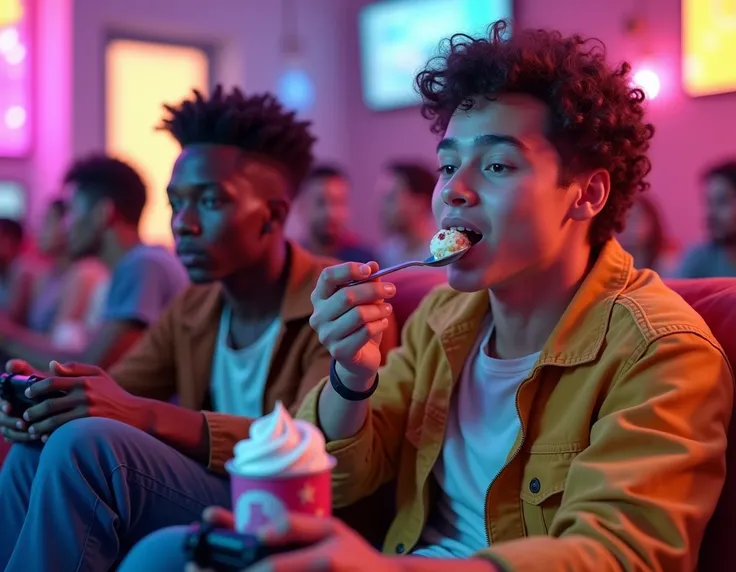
(282, 467)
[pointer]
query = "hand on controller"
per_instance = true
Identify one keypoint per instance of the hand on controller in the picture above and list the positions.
(328, 545)
(12, 426)
(350, 321)
(72, 391)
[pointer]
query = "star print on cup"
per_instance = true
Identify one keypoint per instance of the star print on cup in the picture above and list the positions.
(306, 494)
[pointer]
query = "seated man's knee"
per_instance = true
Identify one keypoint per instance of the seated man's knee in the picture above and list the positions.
(84, 439)
(161, 551)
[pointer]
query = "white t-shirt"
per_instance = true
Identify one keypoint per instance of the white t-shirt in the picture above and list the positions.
(481, 429)
(239, 376)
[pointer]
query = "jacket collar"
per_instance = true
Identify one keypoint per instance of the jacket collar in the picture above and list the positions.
(578, 336)
(304, 270)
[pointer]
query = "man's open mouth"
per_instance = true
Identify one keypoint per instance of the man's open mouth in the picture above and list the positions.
(472, 235)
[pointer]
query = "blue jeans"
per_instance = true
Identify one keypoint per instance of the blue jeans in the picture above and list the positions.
(162, 551)
(96, 488)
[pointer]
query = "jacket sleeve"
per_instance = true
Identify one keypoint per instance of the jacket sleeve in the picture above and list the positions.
(640, 496)
(370, 458)
(316, 366)
(148, 369)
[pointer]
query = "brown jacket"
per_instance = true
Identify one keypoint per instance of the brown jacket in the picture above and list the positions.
(175, 355)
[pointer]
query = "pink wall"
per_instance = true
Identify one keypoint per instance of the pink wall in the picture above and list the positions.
(70, 97)
(690, 132)
(247, 34)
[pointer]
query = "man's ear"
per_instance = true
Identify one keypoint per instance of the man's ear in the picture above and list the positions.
(591, 195)
(103, 213)
(279, 211)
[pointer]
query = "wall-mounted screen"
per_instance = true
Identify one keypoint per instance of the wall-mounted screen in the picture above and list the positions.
(708, 46)
(398, 37)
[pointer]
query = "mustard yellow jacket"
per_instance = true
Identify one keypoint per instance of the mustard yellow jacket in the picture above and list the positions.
(621, 455)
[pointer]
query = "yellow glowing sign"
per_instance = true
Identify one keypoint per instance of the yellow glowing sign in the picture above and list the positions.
(709, 46)
(11, 11)
(140, 78)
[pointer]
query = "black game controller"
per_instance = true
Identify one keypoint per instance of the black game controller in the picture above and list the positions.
(227, 551)
(13, 390)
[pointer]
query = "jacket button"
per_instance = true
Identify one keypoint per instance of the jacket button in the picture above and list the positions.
(400, 548)
(534, 485)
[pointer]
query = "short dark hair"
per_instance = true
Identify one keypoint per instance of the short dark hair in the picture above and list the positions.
(12, 228)
(418, 178)
(596, 117)
(256, 124)
(325, 171)
(104, 177)
(724, 169)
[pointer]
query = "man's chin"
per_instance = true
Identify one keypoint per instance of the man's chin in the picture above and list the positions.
(200, 276)
(466, 280)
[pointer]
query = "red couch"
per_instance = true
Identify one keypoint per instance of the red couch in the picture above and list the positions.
(715, 300)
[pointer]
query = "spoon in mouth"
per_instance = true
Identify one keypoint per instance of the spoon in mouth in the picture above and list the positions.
(430, 262)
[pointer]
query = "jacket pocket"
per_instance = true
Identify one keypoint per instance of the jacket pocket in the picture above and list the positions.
(543, 483)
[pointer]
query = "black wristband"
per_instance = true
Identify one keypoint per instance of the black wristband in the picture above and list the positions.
(346, 392)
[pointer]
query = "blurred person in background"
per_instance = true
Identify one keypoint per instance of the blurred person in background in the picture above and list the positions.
(406, 191)
(107, 200)
(325, 208)
(717, 257)
(643, 236)
(11, 243)
(64, 291)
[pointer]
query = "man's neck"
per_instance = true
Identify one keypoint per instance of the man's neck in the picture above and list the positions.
(255, 300)
(117, 243)
(526, 313)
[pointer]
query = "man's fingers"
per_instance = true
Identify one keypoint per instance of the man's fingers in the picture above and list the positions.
(19, 366)
(49, 407)
(219, 516)
(74, 369)
(40, 388)
(15, 436)
(352, 321)
(298, 528)
(333, 277)
(348, 349)
(51, 424)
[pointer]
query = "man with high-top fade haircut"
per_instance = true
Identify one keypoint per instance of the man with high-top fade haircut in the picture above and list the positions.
(113, 459)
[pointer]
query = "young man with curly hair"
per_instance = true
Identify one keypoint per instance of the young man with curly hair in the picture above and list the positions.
(113, 459)
(555, 409)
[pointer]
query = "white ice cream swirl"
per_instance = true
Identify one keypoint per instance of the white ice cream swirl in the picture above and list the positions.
(281, 446)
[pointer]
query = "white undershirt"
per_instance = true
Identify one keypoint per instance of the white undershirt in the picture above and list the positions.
(239, 376)
(481, 429)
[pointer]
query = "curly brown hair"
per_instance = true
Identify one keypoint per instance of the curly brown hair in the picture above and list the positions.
(596, 118)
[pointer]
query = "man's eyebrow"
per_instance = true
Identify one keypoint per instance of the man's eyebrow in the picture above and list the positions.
(486, 140)
(199, 187)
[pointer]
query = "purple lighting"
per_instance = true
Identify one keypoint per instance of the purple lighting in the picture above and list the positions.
(15, 85)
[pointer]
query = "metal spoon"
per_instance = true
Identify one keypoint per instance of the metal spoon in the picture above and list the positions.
(430, 262)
